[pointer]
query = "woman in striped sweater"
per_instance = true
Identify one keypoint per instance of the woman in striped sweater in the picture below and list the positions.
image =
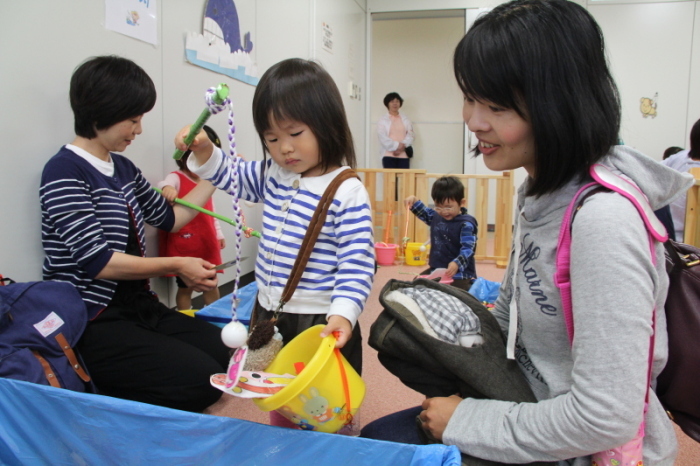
(94, 204)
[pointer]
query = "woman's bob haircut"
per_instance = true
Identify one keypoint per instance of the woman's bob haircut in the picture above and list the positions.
(545, 59)
(107, 90)
(301, 90)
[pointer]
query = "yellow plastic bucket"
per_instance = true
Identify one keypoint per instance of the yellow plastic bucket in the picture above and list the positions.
(414, 256)
(325, 394)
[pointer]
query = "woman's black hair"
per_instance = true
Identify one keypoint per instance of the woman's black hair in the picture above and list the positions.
(106, 90)
(391, 96)
(301, 90)
(545, 59)
(447, 188)
(694, 152)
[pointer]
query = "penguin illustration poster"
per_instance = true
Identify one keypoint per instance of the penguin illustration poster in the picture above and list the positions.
(224, 46)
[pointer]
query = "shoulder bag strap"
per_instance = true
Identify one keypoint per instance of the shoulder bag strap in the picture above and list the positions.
(312, 233)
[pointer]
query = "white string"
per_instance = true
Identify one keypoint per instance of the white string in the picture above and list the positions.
(215, 108)
(513, 319)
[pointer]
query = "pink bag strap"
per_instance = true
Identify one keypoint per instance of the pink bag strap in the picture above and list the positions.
(562, 276)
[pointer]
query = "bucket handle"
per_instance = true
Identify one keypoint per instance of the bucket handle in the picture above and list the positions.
(346, 388)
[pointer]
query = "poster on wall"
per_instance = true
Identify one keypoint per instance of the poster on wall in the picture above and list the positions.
(327, 37)
(133, 18)
(221, 47)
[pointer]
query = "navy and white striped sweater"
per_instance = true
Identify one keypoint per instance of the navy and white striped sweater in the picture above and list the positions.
(85, 218)
(338, 277)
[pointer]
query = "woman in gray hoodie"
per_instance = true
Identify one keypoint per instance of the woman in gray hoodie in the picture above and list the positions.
(538, 94)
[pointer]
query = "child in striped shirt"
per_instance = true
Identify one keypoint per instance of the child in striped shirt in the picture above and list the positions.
(299, 116)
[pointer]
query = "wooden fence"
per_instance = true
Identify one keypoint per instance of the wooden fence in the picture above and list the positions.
(392, 222)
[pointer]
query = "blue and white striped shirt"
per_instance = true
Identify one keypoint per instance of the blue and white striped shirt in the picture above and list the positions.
(338, 277)
(85, 217)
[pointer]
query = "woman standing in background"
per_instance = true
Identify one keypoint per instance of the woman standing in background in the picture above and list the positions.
(395, 134)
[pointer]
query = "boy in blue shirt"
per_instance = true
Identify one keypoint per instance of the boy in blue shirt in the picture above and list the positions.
(452, 231)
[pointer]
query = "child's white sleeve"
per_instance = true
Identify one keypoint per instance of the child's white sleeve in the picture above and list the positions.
(217, 224)
(171, 180)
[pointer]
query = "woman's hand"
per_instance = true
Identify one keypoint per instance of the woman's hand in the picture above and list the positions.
(197, 273)
(437, 413)
(341, 327)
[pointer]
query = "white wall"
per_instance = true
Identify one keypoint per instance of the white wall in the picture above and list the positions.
(653, 47)
(413, 57)
(650, 53)
(47, 39)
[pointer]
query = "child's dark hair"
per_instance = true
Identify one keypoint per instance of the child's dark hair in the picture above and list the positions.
(694, 152)
(671, 150)
(213, 137)
(391, 96)
(303, 91)
(447, 188)
(106, 90)
(545, 59)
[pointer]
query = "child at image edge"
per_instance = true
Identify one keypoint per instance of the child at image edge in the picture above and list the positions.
(201, 237)
(452, 231)
(527, 70)
(300, 118)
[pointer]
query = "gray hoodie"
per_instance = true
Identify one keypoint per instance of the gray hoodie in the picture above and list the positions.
(591, 394)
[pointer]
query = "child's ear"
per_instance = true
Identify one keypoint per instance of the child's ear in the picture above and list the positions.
(463, 203)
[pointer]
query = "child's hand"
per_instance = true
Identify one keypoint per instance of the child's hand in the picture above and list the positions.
(409, 201)
(342, 326)
(452, 269)
(201, 145)
(222, 243)
(170, 193)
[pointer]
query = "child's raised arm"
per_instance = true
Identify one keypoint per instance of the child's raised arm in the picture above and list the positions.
(201, 146)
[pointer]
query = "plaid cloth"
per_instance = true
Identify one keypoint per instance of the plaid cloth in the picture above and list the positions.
(450, 317)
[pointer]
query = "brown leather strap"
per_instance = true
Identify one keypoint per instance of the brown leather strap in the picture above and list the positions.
(307, 245)
(70, 354)
(50, 376)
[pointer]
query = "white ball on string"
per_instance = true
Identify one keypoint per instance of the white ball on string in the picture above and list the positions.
(234, 334)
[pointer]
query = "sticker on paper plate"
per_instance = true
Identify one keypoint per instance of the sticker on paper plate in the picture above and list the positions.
(252, 384)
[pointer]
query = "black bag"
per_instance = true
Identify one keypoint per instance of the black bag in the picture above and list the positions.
(437, 368)
(40, 322)
(678, 383)
(409, 151)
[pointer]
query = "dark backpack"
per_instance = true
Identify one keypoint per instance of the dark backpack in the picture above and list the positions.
(40, 323)
(435, 367)
(677, 384)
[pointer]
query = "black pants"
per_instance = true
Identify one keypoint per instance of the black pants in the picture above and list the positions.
(163, 359)
(291, 325)
(395, 162)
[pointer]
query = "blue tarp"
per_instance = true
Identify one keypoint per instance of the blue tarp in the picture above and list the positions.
(42, 425)
(219, 312)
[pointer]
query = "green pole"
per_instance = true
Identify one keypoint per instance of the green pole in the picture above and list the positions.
(209, 212)
(219, 96)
